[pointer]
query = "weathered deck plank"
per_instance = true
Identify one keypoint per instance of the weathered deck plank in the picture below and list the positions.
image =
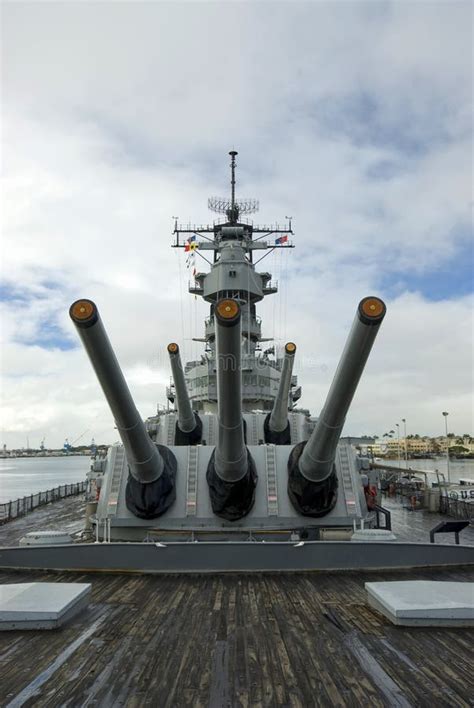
(243, 640)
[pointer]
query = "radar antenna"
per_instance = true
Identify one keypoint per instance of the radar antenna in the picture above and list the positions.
(232, 208)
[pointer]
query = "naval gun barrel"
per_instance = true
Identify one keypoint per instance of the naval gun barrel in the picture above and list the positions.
(231, 472)
(277, 426)
(231, 453)
(144, 459)
(189, 426)
(317, 459)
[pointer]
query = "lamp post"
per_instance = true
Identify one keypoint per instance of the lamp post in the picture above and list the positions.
(398, 442)
(445, 413)
(406, 444)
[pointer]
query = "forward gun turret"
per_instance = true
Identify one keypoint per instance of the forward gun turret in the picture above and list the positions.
(151, 484)
(312, 482)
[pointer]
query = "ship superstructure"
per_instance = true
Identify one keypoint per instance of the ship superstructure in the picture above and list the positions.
(232, 247)
(233, 458)
(233, 476)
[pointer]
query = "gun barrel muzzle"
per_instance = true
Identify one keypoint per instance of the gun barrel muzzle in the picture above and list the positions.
(278, 421)
(317, 459)
(231, 457)
(186, 417)
(144, 459)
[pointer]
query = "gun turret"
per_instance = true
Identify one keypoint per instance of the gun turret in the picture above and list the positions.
(188, 425)
(150, 487)
(312, 482)
(231, 473)
(277, 426)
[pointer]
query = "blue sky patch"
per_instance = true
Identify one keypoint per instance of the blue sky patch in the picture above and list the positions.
(49, 336)
(365, 120)
(10, 293)
(451, 279)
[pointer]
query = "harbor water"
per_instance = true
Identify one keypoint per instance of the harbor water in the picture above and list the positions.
(27, 475)
(22, 476)
(458, 469)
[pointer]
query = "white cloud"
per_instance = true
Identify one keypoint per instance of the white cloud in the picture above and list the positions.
(117, 116)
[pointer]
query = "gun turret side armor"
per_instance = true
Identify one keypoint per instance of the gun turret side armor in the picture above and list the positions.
(312, 482)
(151, 484)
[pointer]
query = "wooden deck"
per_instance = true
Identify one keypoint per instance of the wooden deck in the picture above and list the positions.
(67, 514)
(249, 640)
(244, 640)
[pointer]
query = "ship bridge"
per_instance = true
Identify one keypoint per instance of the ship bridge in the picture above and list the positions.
(231, 247)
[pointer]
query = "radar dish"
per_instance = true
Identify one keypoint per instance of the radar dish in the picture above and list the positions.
(222, 206)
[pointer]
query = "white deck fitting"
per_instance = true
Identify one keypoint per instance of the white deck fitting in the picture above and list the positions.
(41, 605)
(424, 603)
(41, 538)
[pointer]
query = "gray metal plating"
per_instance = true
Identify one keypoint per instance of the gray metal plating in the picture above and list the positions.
(231, 457)
(186, 418)
(279, 415)
(317, 459)
(143, 458)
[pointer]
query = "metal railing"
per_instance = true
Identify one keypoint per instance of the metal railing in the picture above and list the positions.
(456, 508)
(380, 512)
(20, 507)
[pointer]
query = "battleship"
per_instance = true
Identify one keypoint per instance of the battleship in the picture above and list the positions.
(234, 476)
(233, 540)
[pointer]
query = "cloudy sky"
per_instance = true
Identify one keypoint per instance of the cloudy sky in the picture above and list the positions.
(352, 117)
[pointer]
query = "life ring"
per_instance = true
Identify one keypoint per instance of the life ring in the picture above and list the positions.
(371, 496)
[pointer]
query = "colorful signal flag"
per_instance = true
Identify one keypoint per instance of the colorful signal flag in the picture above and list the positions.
(282, 239)
(191, 244)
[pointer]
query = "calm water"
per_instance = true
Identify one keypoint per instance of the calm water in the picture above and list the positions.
(28, 475)
(457, 468)
(24, 476)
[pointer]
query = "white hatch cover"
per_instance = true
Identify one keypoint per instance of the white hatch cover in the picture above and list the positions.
(43, 538)
(424, 602)
(41, 605)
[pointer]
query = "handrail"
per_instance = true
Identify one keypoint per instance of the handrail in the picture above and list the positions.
(386, 513)
(20, 507)
(399, 470)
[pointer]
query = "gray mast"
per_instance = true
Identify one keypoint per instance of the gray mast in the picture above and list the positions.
(234, 212)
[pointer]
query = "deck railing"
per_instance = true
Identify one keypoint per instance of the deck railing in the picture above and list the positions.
(20, 507)
(457, 508)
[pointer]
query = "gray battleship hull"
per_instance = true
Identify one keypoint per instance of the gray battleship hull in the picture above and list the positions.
(228, 557)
